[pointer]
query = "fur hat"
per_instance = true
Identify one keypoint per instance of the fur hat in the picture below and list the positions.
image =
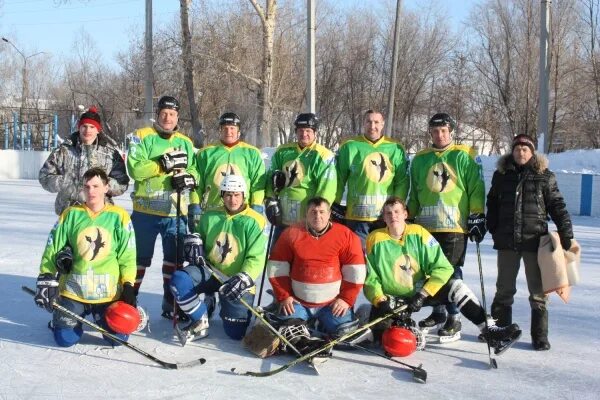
(523, 140)
(91, 116)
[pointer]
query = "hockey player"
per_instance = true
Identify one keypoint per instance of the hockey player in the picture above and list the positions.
(317, 270)
(230, 156)
(161, 162)
(62, 173)
(406, 263)
(234, 243)
(299, 171)
(374, 167)
(102, 267)
(448, 199)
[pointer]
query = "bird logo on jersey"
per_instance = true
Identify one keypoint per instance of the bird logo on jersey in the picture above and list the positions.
(93, 243)
(377, 167)
(225, 250)
(294, 173)
(441, 178)
(223, 171)
(404, 269)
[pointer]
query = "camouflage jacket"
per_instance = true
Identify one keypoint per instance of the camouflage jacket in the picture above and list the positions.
(63, 171)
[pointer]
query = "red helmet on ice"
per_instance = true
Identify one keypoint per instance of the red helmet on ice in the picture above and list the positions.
(122, 317)
(399, 342)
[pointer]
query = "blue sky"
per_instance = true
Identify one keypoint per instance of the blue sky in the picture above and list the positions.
(39, 25)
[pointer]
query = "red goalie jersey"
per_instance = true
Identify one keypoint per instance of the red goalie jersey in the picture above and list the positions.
(317, 270)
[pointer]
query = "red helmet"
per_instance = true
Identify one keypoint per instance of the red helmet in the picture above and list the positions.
(122, 317)
(399, 342)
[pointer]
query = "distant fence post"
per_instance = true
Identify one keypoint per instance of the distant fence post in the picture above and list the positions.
(6, 136)
(15, 129)
(587, 183)
(23, 133)
(29, 136)
(55, 132)
(45, 141)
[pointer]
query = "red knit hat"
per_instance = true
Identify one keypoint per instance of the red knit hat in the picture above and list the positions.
(91, 116)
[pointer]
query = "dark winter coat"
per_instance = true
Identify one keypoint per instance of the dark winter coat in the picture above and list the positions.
(63, 171)
(519, 202)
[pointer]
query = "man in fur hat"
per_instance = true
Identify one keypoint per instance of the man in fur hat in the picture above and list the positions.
(522, 195)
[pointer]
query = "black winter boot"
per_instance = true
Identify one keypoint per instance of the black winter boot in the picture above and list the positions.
(539, 330)
(502, 314)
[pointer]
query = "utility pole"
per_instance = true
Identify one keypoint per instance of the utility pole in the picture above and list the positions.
(25, 81)
(390, 106)
(310, 57)
(544, 77)
(149, 75)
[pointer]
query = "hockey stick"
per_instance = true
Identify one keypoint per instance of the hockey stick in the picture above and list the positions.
(326, 347)
(262, 279)
(177, 221)
(419, 374)
(125, 343)
(493, 363)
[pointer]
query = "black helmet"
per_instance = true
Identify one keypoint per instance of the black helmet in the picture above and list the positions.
(307, 120)
(168, 102)
(443, 119)
(229, 118)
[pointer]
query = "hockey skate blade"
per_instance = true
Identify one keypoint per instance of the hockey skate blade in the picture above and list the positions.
(449, 339)
(505, 345)
(183, 337)
(312, 364)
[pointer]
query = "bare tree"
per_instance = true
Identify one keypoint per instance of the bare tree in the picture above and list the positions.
(188, 70)
(265, 107)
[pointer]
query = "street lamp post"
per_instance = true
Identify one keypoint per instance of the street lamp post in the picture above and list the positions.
(25, 85)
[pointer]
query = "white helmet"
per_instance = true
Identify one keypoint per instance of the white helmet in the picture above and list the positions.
(233, 183)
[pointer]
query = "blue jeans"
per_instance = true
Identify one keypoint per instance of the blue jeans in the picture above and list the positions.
(361, 228)
(328, 323)
(191, 282)
(147, 227)
(68, 331)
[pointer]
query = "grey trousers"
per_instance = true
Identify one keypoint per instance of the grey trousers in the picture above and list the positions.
(509, 262)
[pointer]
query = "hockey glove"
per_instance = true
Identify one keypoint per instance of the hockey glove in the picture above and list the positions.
(47, 291)
(64, 260)
(416, 302)
(183, 181)
(476, 227)
(565, 242)
(194, 213)
(388, 306)
(193, 250)
(273, 211)
(236, 286)
(338, 213)
(128, 294)
(173, 160)
(278, 179)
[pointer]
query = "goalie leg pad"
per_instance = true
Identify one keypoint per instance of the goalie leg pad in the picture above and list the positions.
(261, 341)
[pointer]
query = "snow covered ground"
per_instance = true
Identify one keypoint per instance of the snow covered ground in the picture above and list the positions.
(32, 367)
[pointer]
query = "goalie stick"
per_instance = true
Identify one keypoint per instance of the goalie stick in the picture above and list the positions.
(259, 316)
(329, 345)
(109, 335)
